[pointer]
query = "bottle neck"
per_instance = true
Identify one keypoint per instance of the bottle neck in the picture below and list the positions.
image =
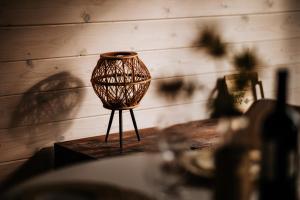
(282, 76)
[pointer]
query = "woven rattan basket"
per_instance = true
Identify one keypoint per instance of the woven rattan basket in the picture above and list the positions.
(120, 79)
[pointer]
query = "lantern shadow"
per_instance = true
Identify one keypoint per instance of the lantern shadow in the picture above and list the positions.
(47, 102)
(32, 123)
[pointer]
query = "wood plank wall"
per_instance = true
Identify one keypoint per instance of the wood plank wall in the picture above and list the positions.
(49, 49)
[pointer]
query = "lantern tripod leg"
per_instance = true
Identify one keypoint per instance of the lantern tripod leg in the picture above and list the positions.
(109, 124)
(134, 124)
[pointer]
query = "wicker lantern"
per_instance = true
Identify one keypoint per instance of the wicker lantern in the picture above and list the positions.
(120, 79)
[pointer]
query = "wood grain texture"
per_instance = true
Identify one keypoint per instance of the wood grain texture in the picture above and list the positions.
(23, 43)
(161, 64)
(13, 12)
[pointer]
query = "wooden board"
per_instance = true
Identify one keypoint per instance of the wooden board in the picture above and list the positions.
(36, 42)
(199, 134)
(14, 12)
(161, 64)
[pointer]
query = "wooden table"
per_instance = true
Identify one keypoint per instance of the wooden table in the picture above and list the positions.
(202, 134)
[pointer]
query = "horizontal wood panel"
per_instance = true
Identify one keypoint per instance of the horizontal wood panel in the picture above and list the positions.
(20, 77)
(23, 43)
(24, 141)
(14, 12)
(294, 97)
(37, 108)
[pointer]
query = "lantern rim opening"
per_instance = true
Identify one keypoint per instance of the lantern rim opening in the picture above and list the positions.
(119, 55)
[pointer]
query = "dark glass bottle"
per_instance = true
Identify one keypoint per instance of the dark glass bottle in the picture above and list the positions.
(279, 164)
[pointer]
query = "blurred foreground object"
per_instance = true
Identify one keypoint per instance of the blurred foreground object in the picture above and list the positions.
(77, 191)
(279, 167)
(120, 79)
(232, 178)
(232, 162)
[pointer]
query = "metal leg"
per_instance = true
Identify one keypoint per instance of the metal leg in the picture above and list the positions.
(134, 124)
(120, 128)
(109, 124)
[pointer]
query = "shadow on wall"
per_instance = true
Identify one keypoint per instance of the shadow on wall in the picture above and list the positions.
(43, 103)
(211, 42)
(178, 88)
(47, 102)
